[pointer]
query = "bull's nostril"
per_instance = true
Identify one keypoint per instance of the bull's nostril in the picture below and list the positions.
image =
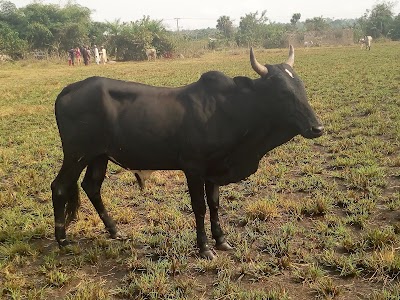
(317, 129)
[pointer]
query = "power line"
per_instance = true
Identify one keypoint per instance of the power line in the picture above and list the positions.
(206, 19)
(178, 19)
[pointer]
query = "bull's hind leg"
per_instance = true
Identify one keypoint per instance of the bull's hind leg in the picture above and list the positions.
(65, 197)
(91, 184)
(212, 194)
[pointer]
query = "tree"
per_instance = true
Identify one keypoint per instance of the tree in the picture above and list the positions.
(48, 26)
(275, 35)
(10, 42)
(225, 26)
(316, 24)
(380, 19)
(160, 38)
(7, 9)
(295, 18)
(75, 26)
(98, 33)
(394, 32)
(132, 38)
(39, 36)
(12, 16)
(111, 35)
(251, 29)
(131, 42)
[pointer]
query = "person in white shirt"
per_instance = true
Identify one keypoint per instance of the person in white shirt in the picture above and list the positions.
(103, 54)
(96, 55)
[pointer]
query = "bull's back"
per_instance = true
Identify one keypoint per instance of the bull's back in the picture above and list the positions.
(127, 121)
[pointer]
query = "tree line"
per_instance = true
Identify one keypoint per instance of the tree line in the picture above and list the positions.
(255, 28)
(54, 29)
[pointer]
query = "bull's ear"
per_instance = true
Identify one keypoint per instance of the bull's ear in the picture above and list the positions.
(244, 83)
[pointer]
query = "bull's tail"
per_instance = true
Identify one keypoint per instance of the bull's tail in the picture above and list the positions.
(142, 176)
(73, 203)
(140, 181)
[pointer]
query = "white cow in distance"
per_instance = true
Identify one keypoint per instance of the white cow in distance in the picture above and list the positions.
(308, 44)
(366, 40)
(5, 57)
(151, 53)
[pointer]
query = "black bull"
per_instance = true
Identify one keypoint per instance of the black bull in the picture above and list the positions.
(215, 130)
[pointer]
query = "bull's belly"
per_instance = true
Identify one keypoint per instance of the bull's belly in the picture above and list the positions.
(154, 158)
(145, 163)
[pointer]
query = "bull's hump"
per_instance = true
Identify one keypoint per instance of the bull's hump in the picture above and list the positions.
(216, 81)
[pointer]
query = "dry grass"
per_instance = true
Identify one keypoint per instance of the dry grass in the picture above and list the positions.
(319, 219)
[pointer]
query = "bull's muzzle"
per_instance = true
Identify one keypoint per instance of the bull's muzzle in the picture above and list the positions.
(314, 132)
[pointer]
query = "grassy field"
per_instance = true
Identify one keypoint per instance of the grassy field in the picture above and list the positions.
(320, 219)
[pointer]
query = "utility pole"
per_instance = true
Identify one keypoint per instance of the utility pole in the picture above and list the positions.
(177, 23)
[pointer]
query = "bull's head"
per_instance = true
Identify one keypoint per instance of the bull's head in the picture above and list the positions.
(288, 91)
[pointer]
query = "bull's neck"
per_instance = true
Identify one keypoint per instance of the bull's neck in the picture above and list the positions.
(249, 112)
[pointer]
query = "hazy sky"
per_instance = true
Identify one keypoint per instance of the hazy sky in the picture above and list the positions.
(204, 13)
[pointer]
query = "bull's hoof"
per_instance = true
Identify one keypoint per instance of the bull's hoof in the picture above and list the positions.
(207, 254)
(118, 236)
(224, 246)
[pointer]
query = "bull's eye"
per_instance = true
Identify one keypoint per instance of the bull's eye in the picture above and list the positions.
(290, 73)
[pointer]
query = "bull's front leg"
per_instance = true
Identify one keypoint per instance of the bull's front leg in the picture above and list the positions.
(212, 194)
(196, 191)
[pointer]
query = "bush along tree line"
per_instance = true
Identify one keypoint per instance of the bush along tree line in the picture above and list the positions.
(53, 30)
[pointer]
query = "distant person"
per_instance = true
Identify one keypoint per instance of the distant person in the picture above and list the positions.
(100, 56)
(89, 53)
(84, 55)
(78, 55)
(96, 55)
(103, 55)
(71, 57)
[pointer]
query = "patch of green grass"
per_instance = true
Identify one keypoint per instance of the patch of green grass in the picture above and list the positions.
(216, 266)
(393, 201)
(364, 178)
(226, 289)
(383, 263)
(153, 283)
(262, 209)
(89, 290)
(316, 206)
(277, 246)
(379, 237)
(57, 278)
(325, 288)
(388, 293)
(16, 250)
(309, 273)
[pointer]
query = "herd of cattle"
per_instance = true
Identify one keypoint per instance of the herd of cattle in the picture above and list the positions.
(364, 42)
(215, 130)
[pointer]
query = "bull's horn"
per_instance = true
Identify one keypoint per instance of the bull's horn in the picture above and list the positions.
(290, 60)
(259, 68)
